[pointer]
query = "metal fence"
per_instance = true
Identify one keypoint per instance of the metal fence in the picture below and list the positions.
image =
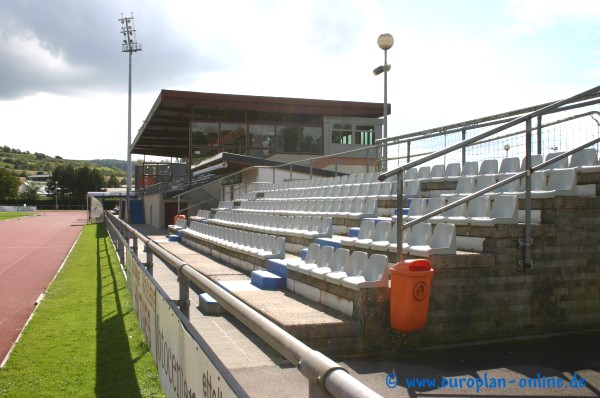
(325, 377)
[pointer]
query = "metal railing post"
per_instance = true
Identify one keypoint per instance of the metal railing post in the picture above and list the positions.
(134, 246)
(526, 242)
(464, 148)
(184, 293)
(399, 215)
(539, 134)
(407, 151)
(149, 260)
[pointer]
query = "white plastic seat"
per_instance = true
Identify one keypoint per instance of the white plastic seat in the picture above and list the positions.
(456, 213)
(509, 165)
(375, 274)
(435, 203)
(274, 248)
(505, 210)
(484, 181)
(535, 160)
(585, 161)
(453, 171)
(510, 187)
(464, 185)
(410, 174)
(559, 164)
(416, 208)
(380, 233)
(562, 182)
(538, 186)
(488, 166)
(424, 173)
(420, 234)
(356, 265)
(340, 260)
(443, 241)
(412, 188)
(476, 207)
(470, 169)
(383, 244)
(323, 260)
(310, 257)
(366, 230)
(438, 173)
(392, 247)
(324, 229)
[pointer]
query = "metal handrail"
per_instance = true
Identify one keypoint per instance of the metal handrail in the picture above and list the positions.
(399, 171)
(321, 371)
(513, 122)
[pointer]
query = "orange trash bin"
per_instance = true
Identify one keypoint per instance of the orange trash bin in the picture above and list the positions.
(409, 294)
(177, 217)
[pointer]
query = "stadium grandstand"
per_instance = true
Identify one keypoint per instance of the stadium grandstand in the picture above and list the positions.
(295, 197)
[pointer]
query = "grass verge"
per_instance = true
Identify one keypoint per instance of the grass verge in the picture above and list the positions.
(7, 215)
(84, 339)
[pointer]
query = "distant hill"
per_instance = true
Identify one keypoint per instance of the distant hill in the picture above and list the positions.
(24, 163)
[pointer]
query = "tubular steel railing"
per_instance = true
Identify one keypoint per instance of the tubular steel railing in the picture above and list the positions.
(325, 376)
(527, 242)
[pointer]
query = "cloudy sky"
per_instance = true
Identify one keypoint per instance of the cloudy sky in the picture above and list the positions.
(63, 77)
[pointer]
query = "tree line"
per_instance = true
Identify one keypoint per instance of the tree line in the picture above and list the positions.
(66, 182)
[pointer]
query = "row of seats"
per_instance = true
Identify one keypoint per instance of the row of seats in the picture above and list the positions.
(483, 210)
(584, 160)
(355, 271)
(556, 182)
(422, 239)
(258, 245)
(301, 226)
(370, 189)
(358, 178)
(354, 208)
(201, 215)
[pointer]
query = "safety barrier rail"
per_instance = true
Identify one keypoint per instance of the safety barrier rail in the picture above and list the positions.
(325, 377)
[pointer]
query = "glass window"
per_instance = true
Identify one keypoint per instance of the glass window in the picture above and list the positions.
(233, 134)
(341, 134)
(262, 140)
(150, 169)
(310, 139)
(364, 135)
(287, 139)
(205, 134)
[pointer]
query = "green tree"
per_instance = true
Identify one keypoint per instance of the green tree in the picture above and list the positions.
(9, 185)
(113, 181)
(75, 183)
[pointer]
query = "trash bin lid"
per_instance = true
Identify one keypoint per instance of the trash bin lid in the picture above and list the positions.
(412, 265)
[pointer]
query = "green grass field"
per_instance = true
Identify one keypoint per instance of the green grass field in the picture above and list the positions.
(6, 215)
(83, 340)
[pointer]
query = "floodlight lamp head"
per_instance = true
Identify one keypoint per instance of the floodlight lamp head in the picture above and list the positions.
(385, 41)
(383, 68)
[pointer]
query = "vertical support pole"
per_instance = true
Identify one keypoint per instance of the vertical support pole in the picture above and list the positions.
(135, 245)
(407, 152)
(539, 135)
(399, 215)
(149, 261)
(385, 113)
(526, 243)
(184, 293)
(464, 149)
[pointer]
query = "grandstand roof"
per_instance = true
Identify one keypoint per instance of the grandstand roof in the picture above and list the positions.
(165, 132)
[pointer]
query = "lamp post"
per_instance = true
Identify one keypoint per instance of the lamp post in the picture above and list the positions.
(506, 148)
(385, 42)
(130, 45)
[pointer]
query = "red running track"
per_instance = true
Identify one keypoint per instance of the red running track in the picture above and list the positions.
(32, 250)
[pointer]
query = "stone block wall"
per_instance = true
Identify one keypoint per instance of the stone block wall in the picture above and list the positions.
(486, 296)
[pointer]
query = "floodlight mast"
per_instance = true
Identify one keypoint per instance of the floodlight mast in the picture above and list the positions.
(130, 45)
